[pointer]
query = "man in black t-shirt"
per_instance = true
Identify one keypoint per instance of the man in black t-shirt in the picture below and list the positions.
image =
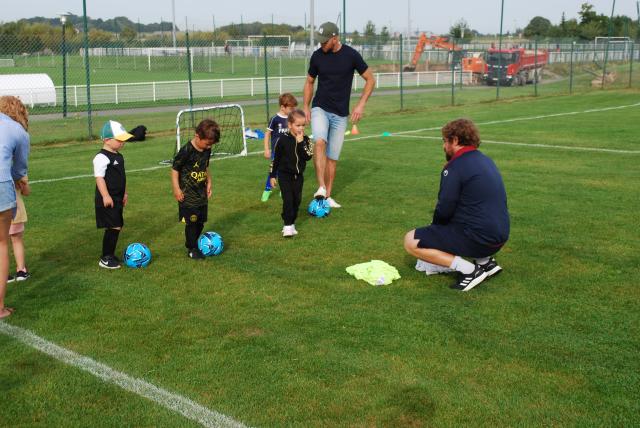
(333, 65)
(191, 182)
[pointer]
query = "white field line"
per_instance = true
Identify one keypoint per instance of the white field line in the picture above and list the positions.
(174, 402)
(544, 146)
(436, 128)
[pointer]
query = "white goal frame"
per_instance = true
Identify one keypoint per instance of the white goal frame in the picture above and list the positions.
(217, 107)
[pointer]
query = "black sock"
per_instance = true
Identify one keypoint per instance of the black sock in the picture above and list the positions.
(109, 242)
(192, 233)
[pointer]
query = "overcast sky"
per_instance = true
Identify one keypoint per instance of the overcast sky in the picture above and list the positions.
(426, 15)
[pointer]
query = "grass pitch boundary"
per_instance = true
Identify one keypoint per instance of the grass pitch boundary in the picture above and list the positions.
(171, 401)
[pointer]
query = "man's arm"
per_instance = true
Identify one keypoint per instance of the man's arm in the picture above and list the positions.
(370, 83)
(448, 196)
(308, 95)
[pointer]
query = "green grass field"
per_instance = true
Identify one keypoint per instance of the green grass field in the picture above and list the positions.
(274, 332)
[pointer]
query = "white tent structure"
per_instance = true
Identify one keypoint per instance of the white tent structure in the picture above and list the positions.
(32, 89)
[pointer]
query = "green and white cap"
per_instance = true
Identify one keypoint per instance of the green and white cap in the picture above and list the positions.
(115, 130)
(326, 31)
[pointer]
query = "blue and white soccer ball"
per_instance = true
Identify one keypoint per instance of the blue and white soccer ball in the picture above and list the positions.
(319, 207)
(137, 255)
(210, 244)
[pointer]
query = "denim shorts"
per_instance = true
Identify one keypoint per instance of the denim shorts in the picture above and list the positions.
(8, 196)
(329, 127)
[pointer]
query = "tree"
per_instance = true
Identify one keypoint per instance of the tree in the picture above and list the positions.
(99, 37)
(587, 14)
(384, 35)
(369, 32)
(128, 34)
(461, 31)
(538, 26)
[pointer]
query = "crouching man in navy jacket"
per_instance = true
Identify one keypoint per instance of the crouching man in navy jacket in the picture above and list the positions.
(471, 218)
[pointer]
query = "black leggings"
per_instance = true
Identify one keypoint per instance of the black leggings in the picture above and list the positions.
(291, 189)
(192, 232)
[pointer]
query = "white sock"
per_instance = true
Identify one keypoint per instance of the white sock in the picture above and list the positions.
(461, 265)
(483, 260)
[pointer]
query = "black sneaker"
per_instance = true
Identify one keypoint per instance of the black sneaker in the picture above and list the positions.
(195, 253)
(109, 262)
(467, 282)
(11, 279)
(491, 267)
(22, 275)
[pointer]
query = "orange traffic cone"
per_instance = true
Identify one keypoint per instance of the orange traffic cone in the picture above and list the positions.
(354, 130)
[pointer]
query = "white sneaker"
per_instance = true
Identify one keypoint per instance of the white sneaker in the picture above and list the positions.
(293, 226)
(333, 203)
(430, 268)
(322, 191)
(288, 231)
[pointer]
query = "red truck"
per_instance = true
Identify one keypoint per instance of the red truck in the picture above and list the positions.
(515, 66)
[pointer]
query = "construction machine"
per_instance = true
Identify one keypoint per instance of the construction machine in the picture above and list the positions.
(474, 64)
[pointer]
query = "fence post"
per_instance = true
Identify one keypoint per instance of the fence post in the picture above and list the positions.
(631, 64)
(189, 68)
(535, 73)
(116, 86)
(453, 79)
(400, 73)
(266, 77)
(87, 69)
(573, 44)
(154, 92)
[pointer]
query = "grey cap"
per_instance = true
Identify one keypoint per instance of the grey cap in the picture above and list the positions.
(326, 31)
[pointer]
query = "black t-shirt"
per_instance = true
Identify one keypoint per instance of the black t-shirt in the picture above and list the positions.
(110, 166)
(192, 168)
(334, 71)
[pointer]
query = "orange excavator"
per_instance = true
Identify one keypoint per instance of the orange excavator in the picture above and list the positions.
(474, 64)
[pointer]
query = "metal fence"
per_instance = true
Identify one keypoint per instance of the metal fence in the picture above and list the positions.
(50, 73)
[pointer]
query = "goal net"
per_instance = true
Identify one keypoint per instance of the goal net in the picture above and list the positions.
(229, 117)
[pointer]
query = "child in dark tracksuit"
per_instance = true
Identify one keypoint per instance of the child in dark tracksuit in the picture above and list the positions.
(291, 153)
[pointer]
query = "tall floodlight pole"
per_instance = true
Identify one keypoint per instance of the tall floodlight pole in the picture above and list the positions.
(173, 26)
(311, 24)
(408, 18)
(606, 49)
(344, 17)
(87, 74)
(500, 51)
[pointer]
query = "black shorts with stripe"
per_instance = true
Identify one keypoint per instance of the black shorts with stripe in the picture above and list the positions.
(193, 214)
(452, 239)
(109, 218)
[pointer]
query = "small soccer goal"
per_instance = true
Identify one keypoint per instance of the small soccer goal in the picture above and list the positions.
(229, 117)
(7, 62)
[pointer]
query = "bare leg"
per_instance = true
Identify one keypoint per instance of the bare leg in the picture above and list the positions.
(18, 251)
(5, 224)
(320, 161)
(330, 174)
(430, 255)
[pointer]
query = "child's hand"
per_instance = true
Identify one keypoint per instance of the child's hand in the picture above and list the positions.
(107, 201)
(267, 154)
(125, 199)
(209, 191)
(177, 193)
(23, 185)
(273, 182)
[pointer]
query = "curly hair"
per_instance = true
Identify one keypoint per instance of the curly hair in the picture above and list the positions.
(13, 107)
(464, 130)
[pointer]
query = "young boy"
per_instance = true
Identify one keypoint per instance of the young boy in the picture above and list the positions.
(111, 190)
(16, 232)
(291, 153)
(277, 127)
(191, 182)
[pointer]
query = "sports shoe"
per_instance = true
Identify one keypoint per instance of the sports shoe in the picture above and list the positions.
(467, 282)
(109, 262)
(333, 203)
(295, 232)
(322, 191)
(195, 253)
(11, 278)
(288, 231)
(265, 195)
(22, 275)
(430, 268)
(491, 267)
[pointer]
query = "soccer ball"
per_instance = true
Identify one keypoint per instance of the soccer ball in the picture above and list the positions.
(137, 255)
(210, 244)
(319, 207)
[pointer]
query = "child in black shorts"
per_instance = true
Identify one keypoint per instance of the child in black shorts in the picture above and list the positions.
(111, 190)
(191, 182)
